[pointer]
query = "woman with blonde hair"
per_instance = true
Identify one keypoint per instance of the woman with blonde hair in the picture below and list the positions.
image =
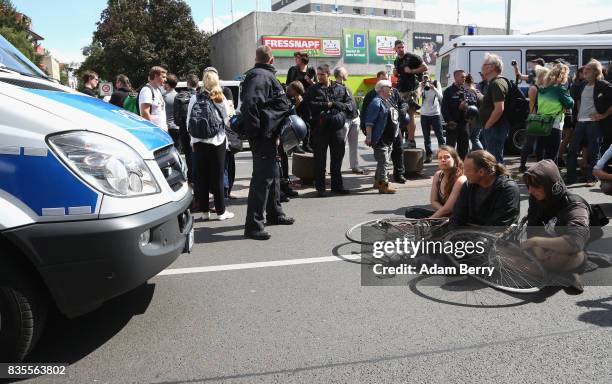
(552, 100)
(530, 140)
(207, 116)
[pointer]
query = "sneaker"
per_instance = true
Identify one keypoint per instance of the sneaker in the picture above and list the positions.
(340, 191)
(522, 169)
(284, 198)
(205, 216)
(225, 215)
(399, 179)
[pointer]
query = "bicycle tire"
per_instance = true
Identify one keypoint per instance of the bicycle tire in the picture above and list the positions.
(516, 271)
(391, 227)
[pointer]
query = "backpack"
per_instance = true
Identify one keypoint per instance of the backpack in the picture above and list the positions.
(516, 105)
(205, 121)
(181, 104)
(131, 101)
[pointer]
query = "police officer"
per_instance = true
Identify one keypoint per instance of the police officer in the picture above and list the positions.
(329, 104)
(264, 106)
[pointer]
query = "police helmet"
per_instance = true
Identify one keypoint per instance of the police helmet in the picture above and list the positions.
(294, 130)
(471, 112)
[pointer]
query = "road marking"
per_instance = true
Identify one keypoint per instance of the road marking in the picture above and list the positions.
(262, 264)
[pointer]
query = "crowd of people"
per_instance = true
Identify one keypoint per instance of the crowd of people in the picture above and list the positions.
(470, 121)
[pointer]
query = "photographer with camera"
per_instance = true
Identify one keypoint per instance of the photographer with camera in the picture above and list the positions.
(430, 113)
(453, 112)
(329, 103)
(530, 78)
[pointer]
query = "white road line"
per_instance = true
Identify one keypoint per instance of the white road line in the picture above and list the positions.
(262, 264)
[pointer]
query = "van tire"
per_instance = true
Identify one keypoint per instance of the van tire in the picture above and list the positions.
(23, 312)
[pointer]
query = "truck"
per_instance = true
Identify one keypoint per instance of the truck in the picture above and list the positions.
(467, 53)
(94, 201)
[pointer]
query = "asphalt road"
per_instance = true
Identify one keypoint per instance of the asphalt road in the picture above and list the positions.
(295, 321)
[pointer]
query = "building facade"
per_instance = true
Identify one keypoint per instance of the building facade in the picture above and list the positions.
(362, 44)
(383, 8)
(594, 27)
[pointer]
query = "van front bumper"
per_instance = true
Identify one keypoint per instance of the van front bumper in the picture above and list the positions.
(85, 263)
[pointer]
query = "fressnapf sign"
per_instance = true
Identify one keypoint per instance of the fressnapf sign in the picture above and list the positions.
(285, 46)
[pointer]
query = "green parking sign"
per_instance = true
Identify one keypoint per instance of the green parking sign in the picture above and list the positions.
(355, 46)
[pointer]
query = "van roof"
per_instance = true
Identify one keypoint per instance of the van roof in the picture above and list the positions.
(526, 41)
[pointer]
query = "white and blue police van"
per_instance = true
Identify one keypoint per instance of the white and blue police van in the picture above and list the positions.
(94, 201)
(468, 52)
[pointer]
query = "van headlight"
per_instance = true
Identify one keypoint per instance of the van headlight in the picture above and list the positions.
(105, 163)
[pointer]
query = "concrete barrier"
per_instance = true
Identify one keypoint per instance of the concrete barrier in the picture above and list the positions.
(302, 166)
(413, 160)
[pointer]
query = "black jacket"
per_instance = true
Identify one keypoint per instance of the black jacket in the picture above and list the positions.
(395, 99)
(603, 100)
(318, 96)
(118, 97)
(451, 98)
(264, 105)
(500, 208)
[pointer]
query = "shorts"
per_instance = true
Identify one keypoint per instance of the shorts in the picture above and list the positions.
(412, 98)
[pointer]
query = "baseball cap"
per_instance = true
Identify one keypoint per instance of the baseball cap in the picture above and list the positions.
(539, 61)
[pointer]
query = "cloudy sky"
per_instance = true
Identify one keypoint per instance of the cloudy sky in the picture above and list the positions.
(67, 25)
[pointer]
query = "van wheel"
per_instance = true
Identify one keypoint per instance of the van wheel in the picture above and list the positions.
(516, 141)
(23, 311)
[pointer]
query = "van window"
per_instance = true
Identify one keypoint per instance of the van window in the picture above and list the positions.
(601, 54)
(444, 65)
(549, 55)
(12, 59)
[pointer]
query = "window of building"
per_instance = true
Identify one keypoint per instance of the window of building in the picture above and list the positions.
(393, 13)
(317, 7)
(372, 11)
(385, 12)
(357, 11)
(340, 9)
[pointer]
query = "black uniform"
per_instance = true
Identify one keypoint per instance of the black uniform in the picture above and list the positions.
(328, 130)
(264, 106)
(459, 136)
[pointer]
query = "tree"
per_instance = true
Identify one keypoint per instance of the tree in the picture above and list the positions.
(133, 36)
(16, 32)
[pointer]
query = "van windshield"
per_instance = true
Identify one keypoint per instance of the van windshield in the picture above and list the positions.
(12, 59)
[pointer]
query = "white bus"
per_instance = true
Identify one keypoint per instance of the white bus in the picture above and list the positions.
(467, 53)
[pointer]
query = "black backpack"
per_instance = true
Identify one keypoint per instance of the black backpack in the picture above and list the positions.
(205, 121)
(181, 104)
(516, 105)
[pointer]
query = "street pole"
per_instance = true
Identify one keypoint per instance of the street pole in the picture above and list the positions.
(232, 10)
(213, 16)
(458, 8)
(402, 2)
(508, 9)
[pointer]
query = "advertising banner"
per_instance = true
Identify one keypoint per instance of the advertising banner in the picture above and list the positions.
(381, 46)
(427, 46)
(285, 46)
(355, 46)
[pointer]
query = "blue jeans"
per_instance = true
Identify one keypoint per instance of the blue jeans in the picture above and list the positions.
(476, 135)
(495, 139)
(592, 132)
(427, 122)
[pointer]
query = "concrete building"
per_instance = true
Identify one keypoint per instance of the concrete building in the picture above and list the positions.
(594, 27)
(384, 8)
(52, 66)
(363, 44)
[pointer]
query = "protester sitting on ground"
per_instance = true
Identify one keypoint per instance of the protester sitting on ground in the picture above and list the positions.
(489, 197)
(603, 171)
(382, 124)
(123, 88)
(557, 212)
(446, 186)
(207, 117)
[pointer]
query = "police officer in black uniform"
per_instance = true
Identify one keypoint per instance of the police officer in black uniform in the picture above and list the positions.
(329, 104)
(264, 106)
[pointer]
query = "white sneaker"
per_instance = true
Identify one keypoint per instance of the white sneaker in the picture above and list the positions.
(205, 216)
(226, 215)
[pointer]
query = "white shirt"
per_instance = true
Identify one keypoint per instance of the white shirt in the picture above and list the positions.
(158, 106)
(219, 138)
(431, 100)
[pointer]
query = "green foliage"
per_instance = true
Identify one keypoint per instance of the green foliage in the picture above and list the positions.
(133, 36)
(20, 40)
(8, 17)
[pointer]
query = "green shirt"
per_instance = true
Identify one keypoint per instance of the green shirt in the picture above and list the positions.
(553, 100)
(497, 91)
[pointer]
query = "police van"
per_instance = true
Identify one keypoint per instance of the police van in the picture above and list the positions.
(467, 53)
(93, 202)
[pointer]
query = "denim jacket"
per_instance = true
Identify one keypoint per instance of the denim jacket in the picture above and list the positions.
(376, 116)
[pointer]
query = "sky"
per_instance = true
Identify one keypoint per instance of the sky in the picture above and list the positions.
(67, 25)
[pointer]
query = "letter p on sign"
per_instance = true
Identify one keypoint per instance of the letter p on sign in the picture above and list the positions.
(359, 41)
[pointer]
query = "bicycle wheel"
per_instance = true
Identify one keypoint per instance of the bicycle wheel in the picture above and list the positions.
(513, 269)
(391, 228)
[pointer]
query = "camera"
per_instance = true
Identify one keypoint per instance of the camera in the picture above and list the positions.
(513, 63)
